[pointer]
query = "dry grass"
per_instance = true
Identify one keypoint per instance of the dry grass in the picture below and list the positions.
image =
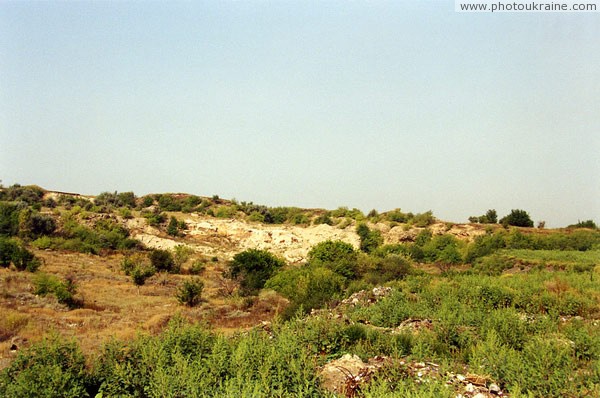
(112, 306)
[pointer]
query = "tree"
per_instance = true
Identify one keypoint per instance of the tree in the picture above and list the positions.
(173, 227)
(517, 218)
(490, 217)
(584, 224)
(162, 260)
(339, 256)
(190, 292)
(253, 268)
(369, 240)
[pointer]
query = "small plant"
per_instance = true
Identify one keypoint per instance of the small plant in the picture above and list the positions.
(369, 239)
(140, 273)
(64, 291)
(173, 227)
(190, 292)
(181, 254)
(197, 267)
(253, 268)
(162, 260)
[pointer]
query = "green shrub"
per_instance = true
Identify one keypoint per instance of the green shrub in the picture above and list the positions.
(9, 218)
(389, 268)
(323, 219)
(517, 218)
(253, 268)
(162, 260)
(339, 256)
(140, 273)
(173, 227)
(369, 240)
(13, 251)
(50, 368)
(190, 292)
(423, 219)
(197, 267)
(584, 224)
(64, 290)
(306, 287)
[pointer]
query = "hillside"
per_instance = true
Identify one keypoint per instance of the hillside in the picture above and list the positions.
(412, 296)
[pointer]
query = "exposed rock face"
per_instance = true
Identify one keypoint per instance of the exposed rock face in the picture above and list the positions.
(226, 237)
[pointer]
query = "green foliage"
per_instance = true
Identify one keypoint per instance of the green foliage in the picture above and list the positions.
(252, 268)
(584, 224)
(339, 256)
(306, 287)
(398, 216)
(323, 219)
(423, 219)
(29, 194)
(370, 240)
(116, 200)
(197, 267)
(173, 227)
(190, 292)
(104, 235)
(442, 249)
(9, 218)
(490, 217)
(181, 254)
(155, 218)
(140, 273)
(162, 260)
(64, 290)
(517, 218)
(32, 224)
(13, 251)
(392, 267)
(51, 368)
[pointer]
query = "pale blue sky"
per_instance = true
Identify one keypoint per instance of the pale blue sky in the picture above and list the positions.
(368, 104)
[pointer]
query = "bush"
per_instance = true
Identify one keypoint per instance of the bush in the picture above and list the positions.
(490, 217)
(253, 268)
(339, 256)
(162, 260)
(9, 219)
(306, 287)
(32, 224)
(50, 368)
(423, 219)
(389, 268)
(140, 273)
(12, 251)
(369, 240)
(190, 292)
(584, 224)
(197, 267)
(173, 227)
(517, 218)
(64, 291)
(323, 219)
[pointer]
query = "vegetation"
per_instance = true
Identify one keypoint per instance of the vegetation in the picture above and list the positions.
(517, 307)
(517, 218)
(490, 217)
(252, 268)
(190, 292)
(584, 224)
(369, 239)
(64, 290)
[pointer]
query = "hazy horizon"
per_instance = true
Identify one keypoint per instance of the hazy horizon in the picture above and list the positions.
(312, 104)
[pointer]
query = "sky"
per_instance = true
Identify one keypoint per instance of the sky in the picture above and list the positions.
(318, 104)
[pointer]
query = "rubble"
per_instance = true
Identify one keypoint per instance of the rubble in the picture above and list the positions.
(346, 375)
